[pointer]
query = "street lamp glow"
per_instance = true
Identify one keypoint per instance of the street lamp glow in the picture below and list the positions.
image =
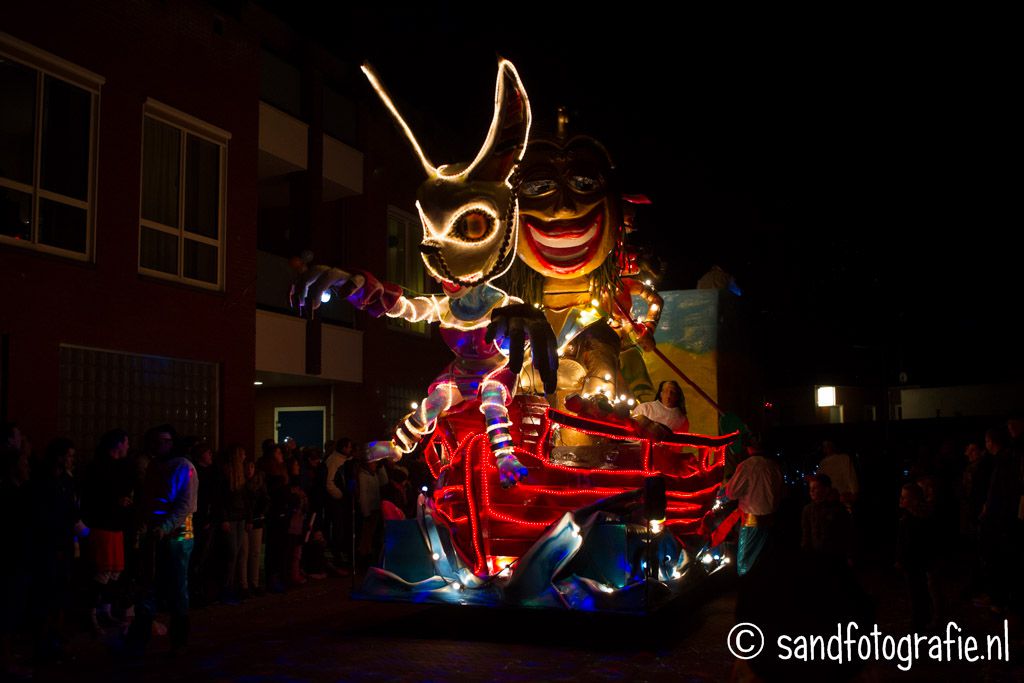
(825, 397)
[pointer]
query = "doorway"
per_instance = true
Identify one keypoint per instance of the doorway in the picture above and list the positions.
(305, 424)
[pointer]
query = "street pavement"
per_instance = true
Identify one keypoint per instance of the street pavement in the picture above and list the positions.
(317, 633)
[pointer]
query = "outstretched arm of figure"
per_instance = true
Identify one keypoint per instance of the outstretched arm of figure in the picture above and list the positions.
(492, 404)
(522, 323)
(363, 291)
(312, 281)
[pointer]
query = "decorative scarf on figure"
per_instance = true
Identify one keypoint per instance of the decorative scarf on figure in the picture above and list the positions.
(469, 213)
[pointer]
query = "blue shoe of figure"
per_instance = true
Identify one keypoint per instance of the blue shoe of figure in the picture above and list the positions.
(510, 469)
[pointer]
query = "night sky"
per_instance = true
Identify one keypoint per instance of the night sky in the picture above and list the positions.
(853, 172)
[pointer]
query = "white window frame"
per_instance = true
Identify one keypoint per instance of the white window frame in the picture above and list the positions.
(186, 125)
(47, 64)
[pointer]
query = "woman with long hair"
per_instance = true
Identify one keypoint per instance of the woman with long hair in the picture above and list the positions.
(259, 501)
(276, 528)
(232, 509)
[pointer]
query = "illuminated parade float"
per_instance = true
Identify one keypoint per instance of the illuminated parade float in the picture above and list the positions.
(547, 494)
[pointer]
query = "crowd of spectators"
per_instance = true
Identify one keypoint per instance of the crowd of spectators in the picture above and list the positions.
(952, 535)
(92, 541)
(87, 536)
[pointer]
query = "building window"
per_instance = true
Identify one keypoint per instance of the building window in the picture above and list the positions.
(405, 267)
(47, 151)
(101, 389)
(181, 233)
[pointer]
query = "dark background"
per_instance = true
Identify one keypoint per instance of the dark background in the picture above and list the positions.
(853, 171)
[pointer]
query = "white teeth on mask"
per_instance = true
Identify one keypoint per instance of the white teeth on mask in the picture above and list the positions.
(563, 257)
(563, 242)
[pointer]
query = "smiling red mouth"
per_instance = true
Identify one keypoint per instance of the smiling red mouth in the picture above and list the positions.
(565, 246)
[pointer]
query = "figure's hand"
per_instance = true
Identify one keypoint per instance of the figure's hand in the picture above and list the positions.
(520, 322)
(599, 408)
(312, 281)
(510, 470)
(645, 338)
(380, 450)
(651, 429)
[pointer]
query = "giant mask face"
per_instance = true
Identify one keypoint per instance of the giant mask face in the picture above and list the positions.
(570, 211)
(469, 210)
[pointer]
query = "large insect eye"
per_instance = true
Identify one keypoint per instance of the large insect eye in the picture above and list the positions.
(536, 188)
(474, 226)
(585, 183)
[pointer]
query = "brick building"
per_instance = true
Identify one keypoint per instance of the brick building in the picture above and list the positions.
(160, 163)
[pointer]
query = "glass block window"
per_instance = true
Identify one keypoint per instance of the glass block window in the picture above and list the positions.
(102, 390)
(181, 233)
(47, 151)
(398, 402)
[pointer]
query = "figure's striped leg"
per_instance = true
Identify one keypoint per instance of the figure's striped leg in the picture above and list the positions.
(493, 395)
(423, 420)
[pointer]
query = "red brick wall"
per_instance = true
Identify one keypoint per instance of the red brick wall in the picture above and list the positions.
(170, 52)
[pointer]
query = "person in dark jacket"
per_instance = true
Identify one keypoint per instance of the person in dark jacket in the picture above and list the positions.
(16, 569)
(106, 509)
(57, 522)
(276, 528)
(825, 522)
(204, 579)
(915, 552)
(999, 518)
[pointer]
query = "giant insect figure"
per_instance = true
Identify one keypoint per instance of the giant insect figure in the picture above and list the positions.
(470, 217)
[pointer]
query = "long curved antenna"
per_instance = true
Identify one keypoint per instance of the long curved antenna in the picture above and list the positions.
(505, 67)
(386, 98)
